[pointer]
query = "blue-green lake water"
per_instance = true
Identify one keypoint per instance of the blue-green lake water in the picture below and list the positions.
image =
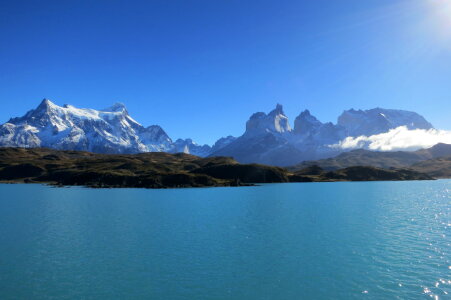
(368, 240)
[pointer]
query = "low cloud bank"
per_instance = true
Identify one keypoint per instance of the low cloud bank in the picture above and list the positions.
(396, 139)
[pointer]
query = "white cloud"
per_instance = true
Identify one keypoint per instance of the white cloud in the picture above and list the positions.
(396, 139)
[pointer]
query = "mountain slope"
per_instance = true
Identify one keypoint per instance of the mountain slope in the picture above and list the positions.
(379, 120)
(398, 159)
(188, 146)
(437, 167)
(360, 173)
(110, 130)
(149, 170)
(161, 170)
(266, 140)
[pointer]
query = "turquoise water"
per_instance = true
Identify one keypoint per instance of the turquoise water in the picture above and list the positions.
(368, 240)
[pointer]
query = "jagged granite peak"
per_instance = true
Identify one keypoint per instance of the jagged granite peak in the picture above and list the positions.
(329, 133)
(305, 123)
(379, 120)
(278, 110)
(269, 139)
(260, 123)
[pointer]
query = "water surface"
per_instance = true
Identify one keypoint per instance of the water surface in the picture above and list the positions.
(367, 240)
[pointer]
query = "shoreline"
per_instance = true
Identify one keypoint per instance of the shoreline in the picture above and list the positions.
(56, 185)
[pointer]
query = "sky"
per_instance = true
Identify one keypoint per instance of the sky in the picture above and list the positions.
(199, 69)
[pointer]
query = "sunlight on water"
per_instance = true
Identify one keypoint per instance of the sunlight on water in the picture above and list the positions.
(370, 240)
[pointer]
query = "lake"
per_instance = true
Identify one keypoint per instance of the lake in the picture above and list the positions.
(348, 240)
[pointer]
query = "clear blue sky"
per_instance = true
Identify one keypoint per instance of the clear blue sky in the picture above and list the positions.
(201, 68)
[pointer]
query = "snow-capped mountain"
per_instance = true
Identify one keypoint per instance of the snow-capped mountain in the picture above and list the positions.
(222, 142)
(269, 138)
(189, 147)
(274, 122)
(379, 120)
(305, 123)
(309, 128)
(109, 130)
(266, 140)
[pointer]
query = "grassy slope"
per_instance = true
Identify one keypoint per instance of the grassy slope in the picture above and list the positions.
(161, 170)
(153, 170)
(437, 167)
(387, 160)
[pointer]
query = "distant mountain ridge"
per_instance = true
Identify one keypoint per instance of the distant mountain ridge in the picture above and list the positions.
(268, 138)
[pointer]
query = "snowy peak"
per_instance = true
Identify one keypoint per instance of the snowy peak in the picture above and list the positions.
(109, 130)
(269, 139)
(222, 142)
(379, 120)
(189, 147)
(116, 107)
(70, 128)
(45, 104)
(309, 130)
(274, 122)
(154, 138)
(45, 107)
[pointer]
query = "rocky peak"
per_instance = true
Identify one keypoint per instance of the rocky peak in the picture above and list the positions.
(45, 106)
(45, 103)
(188, 146)
(117, 107)
(274, 122)
(222, 142)
(277, 111)
(305, 123)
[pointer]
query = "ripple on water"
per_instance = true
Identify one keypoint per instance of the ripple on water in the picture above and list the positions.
(380, 240)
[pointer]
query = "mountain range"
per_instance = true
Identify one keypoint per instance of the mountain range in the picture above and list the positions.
(268, 138)
(110, 130)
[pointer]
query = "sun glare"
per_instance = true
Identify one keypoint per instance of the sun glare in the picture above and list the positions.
(441, 14)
